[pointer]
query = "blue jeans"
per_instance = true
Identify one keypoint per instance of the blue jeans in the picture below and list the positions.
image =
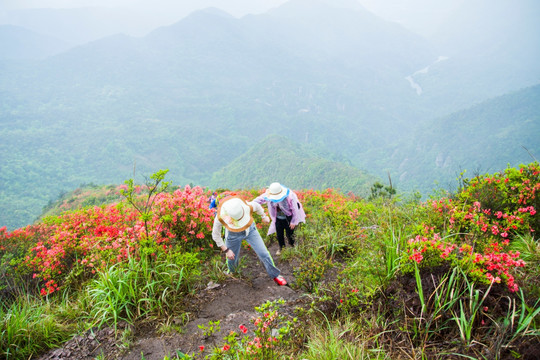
(234, 242)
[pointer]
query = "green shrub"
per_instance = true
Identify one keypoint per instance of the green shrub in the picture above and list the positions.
(311, 271)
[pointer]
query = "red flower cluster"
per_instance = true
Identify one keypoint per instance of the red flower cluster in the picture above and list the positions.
(486, 215)
(184, 218)
(493, 265)
(496, 265)
(97, 237)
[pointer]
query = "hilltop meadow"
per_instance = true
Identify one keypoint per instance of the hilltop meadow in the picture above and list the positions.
(380, 277)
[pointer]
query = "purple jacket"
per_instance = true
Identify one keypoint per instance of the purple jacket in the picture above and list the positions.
(295, 210)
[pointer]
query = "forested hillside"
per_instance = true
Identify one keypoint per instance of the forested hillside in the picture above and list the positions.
(198, 94)
(278, 158)
(192, 96)
(504, 130)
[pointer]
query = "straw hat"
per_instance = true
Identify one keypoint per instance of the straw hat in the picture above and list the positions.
(235, 214)
(276, 192)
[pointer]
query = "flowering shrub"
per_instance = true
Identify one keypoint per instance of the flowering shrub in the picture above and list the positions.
(508, 201)
(430, 252)
(494, 265)
(480, 224)
(185, 219)
(13, 248)
(16, 243)
(271, 331)
(78, 243)
(92, 238)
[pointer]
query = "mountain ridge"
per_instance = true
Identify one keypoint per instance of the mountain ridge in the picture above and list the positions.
(507, 125)
(92, 113)
(19, 43)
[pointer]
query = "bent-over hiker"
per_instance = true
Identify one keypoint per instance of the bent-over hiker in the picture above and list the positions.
(237, 216)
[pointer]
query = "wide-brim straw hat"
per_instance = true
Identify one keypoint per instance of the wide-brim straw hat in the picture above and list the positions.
(235, 214)
(276, 192)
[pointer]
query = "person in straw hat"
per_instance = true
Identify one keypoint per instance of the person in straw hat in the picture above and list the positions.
(236, 215)
(285, 210)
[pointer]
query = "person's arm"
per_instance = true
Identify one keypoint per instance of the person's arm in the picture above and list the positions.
(216, 236)
(260, 210)
(260, 199)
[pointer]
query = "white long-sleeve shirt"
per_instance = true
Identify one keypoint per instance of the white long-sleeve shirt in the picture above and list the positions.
(218, 226)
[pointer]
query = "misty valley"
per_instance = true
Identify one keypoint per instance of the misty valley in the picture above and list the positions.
(342, 97)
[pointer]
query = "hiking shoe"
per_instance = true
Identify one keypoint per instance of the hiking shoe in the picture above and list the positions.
(278, 252)
(280, 280)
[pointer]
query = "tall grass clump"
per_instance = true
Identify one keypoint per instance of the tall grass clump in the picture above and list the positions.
(141, 287)
(529, 248)
(29, 326)
(340, 340)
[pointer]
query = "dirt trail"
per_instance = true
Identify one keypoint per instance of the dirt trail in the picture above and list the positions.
(232, 302)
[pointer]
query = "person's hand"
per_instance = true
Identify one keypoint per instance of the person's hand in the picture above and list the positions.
(292, 226)
(229, 254)
(266, 220)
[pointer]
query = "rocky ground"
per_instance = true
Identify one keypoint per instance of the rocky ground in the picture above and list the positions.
(232, 302)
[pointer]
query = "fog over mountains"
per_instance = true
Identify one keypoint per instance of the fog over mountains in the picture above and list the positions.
(198, 96)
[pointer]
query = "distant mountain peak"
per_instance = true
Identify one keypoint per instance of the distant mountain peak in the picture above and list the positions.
(293, 6)
(209, 20)
(345, 4)
(215, 11)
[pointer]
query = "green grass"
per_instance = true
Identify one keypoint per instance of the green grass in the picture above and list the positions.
(127, 292)
(29, 326)
(352, 282)
(340, 340)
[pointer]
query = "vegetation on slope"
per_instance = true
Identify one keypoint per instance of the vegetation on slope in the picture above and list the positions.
(277, 157)
(507, 126)
(456, 276)
(193, 95)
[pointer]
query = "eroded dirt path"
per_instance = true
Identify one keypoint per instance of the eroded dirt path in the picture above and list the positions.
(232, 302)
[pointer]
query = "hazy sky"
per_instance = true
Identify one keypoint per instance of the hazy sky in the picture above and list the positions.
(422, 16)
(235, 7)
